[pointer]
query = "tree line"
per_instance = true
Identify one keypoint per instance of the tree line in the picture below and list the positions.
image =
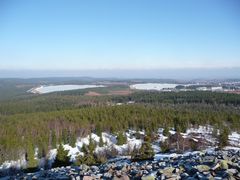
(22, 133)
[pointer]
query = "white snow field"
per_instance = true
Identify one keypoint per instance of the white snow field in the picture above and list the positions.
(57, 88)
(152, 86)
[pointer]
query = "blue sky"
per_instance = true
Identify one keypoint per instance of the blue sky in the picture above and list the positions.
(122, 34)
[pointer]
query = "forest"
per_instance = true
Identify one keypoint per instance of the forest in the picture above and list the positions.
(45, 121)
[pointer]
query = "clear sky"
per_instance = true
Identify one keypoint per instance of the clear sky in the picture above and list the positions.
(119, 34)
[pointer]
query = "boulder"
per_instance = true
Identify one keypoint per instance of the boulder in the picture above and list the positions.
(168, 171)
(232, 171)
(203, 168)
(149, 177)
(87, 178)
(84, 167)
(224, 164)
(123, 177)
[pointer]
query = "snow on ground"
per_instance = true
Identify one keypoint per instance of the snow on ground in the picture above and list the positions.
(152, 86)
(234, 139)
(201, 130)
(14, 164)
(110, 141)
(156, 148)
(163, 156)
(52, 155)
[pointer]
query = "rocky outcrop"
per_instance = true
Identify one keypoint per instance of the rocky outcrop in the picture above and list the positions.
(197, 165)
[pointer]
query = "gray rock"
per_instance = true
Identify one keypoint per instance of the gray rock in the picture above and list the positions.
(232, 171)
(107, 175)
(94, 168)
(84, 167)
(149, 167)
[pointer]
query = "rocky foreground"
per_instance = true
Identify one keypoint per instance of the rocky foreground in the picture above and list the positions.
(197, 165)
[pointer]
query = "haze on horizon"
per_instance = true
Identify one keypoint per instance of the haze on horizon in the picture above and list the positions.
(107, 38)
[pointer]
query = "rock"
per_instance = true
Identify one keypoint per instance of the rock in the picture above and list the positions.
(107, 175)
(202, 168)
(162, 164)
(124, 169)
(123, 177)
(168, 171)
(94, 168)
(175, 177)
(184, 175)
(228, 176)
(34, 177)
(77, 178)
(216, 166)
(232, 171)
(176, 170)
(133, 172)
(224, 164)
(149, 167)
(200, 176)
(149, 177)
(87, 178)
(190, 170)
(84, 167)
(118, 173)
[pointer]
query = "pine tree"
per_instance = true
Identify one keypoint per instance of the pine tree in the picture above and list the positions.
(54, 139)
(91, 146)
(145, 152)
(223, 137)
(62, 158)
(166, 131)
(101, 143)
(32, 162)
(121, 139)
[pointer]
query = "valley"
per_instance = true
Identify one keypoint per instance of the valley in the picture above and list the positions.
(89, 132)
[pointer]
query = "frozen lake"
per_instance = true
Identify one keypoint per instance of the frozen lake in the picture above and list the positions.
(56, 88)
(152, 86)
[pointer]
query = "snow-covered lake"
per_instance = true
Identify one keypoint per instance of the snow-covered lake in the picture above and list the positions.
(152, 86)
(56, 88)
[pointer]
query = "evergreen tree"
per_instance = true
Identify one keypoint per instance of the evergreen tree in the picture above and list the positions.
(166, 131)
(88, 157)
(62, 158)
(145, 152)
(121, 139)
(32, 162)
(101, 143)
(223, 137)
(91, 146)
(54, 140)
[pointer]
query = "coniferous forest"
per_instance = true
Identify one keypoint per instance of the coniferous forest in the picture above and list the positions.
(45, 121)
